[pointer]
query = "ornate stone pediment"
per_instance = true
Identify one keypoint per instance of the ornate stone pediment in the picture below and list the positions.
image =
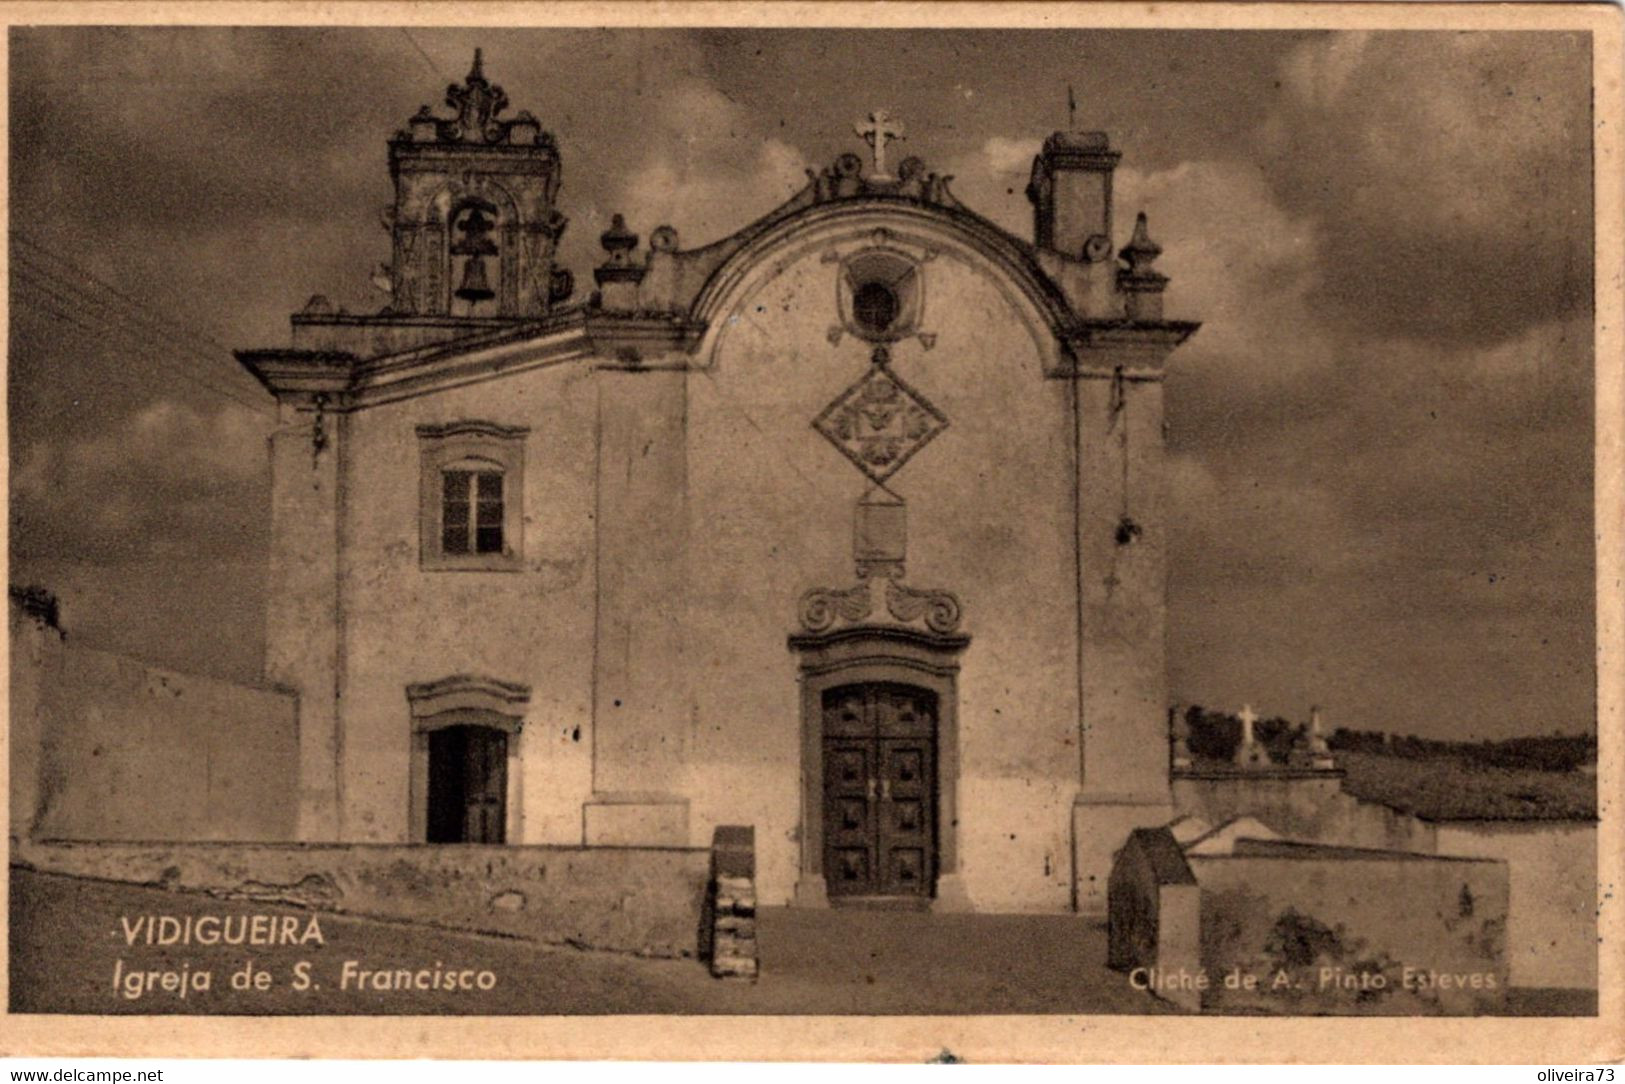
(502, 703)
(824, 608)
(476, 104)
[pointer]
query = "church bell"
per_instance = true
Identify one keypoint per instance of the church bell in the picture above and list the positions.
(476, 244)
(474, 287)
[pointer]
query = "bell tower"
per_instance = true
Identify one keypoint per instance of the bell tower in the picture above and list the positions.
(474, 225)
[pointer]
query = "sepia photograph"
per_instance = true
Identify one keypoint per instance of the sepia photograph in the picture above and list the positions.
(824, 521)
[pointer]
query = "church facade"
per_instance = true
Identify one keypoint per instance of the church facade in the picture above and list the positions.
(849, 526)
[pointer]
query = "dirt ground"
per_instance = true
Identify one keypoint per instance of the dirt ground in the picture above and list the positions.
(75, 945)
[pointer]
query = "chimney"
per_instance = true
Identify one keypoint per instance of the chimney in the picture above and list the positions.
(1071, 194)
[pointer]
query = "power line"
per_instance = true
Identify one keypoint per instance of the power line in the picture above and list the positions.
(130, 312)
(135, 303)
(140, 352)
(124, 378)
(66, 310)
(74, 311)
(124, 316)
(140, 349)
(427, 58)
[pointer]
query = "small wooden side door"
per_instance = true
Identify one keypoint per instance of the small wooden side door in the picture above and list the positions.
(486, 806)
(468, 785)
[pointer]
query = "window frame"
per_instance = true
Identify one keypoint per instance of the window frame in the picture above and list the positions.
(475, 446)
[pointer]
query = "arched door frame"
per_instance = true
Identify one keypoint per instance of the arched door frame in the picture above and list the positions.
(887, 654)
(463, 700)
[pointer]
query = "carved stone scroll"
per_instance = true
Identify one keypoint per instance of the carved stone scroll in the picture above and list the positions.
(821, 606)
(940, 609)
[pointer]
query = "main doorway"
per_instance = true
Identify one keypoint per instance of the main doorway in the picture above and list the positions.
(880, 793)
(468, 785)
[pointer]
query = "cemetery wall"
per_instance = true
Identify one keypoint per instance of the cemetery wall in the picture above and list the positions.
(1552, 929)
(1334, 919)
(630, 899)
(109, 747)
(1301, 805)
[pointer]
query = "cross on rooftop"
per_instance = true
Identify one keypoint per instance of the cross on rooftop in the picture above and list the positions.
(880, 128)
(1248, 717)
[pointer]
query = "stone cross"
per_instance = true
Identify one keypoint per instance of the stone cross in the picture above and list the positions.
(877, 131)
(1248, 717)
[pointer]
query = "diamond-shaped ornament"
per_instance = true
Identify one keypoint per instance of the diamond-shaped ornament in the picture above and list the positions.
(880, 422)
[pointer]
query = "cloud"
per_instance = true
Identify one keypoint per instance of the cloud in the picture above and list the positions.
(992, 181)
(1449, 174)
(704, 170)
(169, 480)
(1379, 441)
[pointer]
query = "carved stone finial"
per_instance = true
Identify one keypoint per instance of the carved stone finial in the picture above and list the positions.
(618, 274)
(1311, 750)
(1180, 732)
(477, 103)
(1141, 252)
(1142, 287)
(618, 241)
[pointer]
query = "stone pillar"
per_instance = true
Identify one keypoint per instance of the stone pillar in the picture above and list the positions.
(1122, 611)
(36, 671)
(302, 638)
(641, 702)
(733, 903)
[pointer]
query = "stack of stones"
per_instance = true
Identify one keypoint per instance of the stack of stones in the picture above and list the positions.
(733, 914)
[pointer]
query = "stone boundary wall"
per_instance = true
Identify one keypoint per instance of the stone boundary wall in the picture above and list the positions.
(1333, 918)
(1301, 805)
(643, 900)
(1552, 930)
(109, 747)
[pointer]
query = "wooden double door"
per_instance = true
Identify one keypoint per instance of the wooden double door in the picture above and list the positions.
(880, 793)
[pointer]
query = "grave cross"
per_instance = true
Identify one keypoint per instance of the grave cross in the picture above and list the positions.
(877, 131)
(1248, 717)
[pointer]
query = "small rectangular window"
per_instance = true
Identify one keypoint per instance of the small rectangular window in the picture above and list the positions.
(471, 486)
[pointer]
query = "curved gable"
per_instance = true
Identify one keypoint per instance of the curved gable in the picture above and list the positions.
(921, 232)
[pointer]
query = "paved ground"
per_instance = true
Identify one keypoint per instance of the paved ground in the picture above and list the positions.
(68, 942)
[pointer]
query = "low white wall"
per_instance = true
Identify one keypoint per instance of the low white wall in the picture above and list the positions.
(1552, 926)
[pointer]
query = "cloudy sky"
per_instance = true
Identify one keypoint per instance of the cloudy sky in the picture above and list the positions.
(1380, 439)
